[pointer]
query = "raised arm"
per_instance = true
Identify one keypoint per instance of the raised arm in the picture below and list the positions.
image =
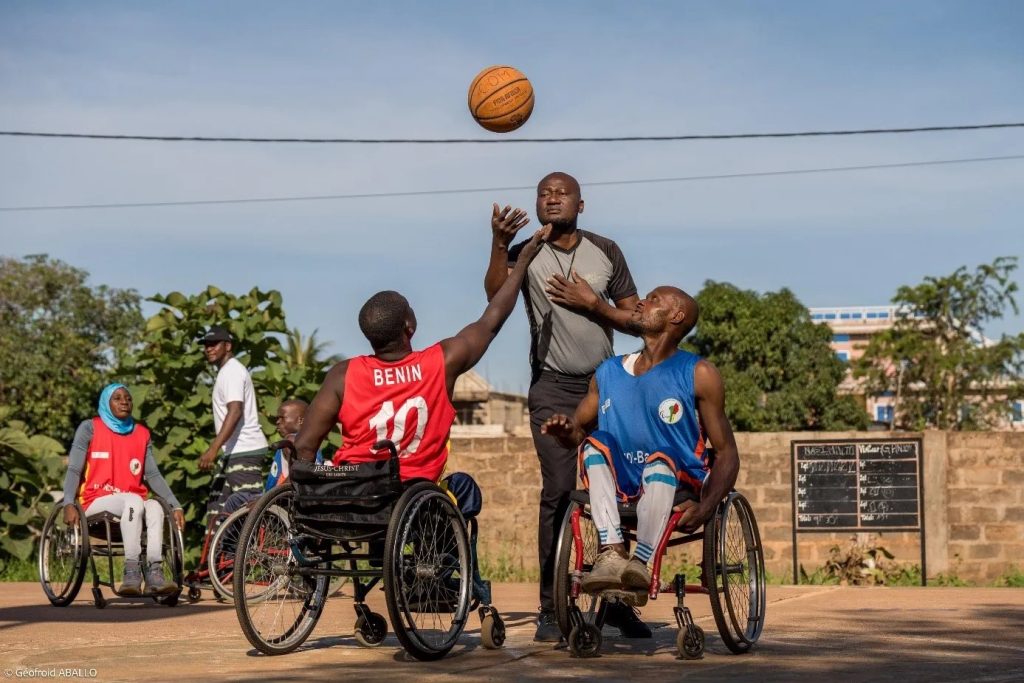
(322, 414)
(710, 392)
(570, 432)
(505, 223)
(462, 351)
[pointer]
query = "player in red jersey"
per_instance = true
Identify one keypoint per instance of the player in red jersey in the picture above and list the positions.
(400, 394)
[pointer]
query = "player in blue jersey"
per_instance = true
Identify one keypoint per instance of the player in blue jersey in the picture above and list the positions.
(641, 431)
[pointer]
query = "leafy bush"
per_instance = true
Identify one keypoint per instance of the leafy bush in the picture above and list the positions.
(31, 476)
(172, 383)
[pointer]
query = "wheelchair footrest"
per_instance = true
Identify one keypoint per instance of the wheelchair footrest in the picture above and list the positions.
(636, 598)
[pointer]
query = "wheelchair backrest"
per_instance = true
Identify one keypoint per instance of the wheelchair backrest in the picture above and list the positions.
(344, 500)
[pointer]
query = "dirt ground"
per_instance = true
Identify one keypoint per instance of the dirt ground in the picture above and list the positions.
(812, 633)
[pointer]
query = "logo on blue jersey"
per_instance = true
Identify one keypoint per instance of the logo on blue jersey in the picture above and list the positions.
(670, 411)
(606, 406)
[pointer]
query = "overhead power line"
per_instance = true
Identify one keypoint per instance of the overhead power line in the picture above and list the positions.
(506, 140)
(419, 193)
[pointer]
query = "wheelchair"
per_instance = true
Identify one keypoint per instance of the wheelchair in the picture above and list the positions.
(65, 552)
(362, 522)
(731, 574)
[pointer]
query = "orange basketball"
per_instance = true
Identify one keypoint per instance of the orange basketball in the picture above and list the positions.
(500, 98)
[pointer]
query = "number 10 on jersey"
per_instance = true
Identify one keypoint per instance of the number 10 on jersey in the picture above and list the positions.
(388, 420)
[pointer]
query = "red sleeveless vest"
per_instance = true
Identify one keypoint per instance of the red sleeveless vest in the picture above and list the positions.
(115, 463)
(405, 401)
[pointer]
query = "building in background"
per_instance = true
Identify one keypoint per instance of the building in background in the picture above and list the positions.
(481, 411)
(852, 329)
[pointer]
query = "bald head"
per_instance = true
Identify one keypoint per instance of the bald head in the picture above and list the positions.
(383, 317)
(571, 182)
(687, 305)
(559, 202)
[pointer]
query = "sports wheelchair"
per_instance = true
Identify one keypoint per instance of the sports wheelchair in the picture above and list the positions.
(66, 550)
(731, 574)
(409, 535)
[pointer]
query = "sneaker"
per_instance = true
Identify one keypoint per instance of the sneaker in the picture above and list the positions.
(606, 573)
(625, 618)
(636, 574)
(155, 582)
(547, 627)
(131, 585)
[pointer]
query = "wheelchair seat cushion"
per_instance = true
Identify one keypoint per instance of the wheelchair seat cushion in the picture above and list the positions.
(346, 500)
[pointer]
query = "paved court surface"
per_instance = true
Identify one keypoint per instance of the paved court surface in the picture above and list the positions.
(813, 633)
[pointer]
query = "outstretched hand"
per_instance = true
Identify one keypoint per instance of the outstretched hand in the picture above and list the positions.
(532, 247)
(505, 223)
(576, 294)
(563, 428)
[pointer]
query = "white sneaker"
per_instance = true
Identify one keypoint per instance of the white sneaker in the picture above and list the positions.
(636, 575)
(606, 573)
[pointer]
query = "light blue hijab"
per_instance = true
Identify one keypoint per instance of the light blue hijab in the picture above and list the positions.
(116, 425)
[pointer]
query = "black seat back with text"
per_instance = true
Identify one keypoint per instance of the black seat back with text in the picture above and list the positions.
(349, 500)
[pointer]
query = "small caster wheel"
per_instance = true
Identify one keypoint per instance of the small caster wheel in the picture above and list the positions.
(194, 594)
(492, 631)
(371, 633)
(585, 641)
(690, 645)
(98, 599)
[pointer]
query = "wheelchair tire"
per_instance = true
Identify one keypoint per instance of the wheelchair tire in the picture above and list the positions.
(371, 632)
(585, 640)
(690, 646)
(221, 559)
(63, 556)
(565, 562)
(173, 554)
(733, 568)
(492, 631)
(276, 608)
(428, 571)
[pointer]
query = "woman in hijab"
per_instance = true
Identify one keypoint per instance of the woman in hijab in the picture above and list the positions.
(116, 455)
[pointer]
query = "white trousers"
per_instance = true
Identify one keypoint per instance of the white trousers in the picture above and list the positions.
(132, 510)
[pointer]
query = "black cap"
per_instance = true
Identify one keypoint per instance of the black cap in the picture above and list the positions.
(216, 333)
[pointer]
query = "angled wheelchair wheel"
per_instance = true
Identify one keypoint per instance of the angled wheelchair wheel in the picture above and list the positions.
(221, 559)
(565, 564)
(428, 573)
(734, 573)
(174, 557)
(63, 556)
(277, 607)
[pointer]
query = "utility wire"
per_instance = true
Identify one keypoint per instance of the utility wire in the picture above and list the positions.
(420, 193)
(504, 140)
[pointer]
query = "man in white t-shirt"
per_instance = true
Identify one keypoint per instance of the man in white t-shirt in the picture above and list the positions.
(237, 424)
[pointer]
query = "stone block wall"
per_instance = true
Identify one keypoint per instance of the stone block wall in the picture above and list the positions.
(973, 489)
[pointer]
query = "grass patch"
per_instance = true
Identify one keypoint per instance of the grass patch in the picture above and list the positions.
(1011, 578)
(503, 569)
(13, 569)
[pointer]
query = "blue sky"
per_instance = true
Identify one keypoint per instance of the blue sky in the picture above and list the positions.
(355, 69)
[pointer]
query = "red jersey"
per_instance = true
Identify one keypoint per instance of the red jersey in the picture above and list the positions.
(405, 401)
(115, 463)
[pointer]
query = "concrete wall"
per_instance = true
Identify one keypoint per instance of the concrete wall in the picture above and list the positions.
(973, 487)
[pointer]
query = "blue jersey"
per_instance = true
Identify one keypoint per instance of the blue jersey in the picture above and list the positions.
(655, 412)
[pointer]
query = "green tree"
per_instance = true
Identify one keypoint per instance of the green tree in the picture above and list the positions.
(59, 341)
(172, 383)
(952, 376)
(30, 479)
(307, 351)
(779, 370)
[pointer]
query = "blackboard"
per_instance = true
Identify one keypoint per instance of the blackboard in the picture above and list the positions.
(857, 485)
